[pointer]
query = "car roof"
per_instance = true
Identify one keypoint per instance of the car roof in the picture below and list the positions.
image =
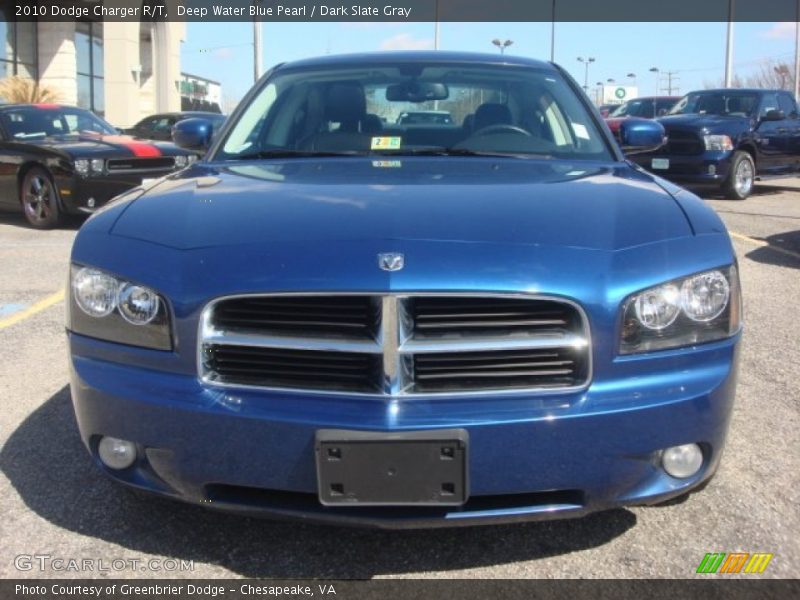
(40, 105)
(416, 57)
(185, 113)
(749, 90)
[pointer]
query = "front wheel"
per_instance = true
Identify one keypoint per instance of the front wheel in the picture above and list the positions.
(740, 181)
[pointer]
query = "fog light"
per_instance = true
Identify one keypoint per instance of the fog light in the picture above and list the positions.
(682, 461)
(90, 203)
(115, 453)
(712, 170)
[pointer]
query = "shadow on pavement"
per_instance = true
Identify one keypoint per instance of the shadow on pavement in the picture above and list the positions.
(17, 219)
(773, 254)
(48, 466)
(758, 190)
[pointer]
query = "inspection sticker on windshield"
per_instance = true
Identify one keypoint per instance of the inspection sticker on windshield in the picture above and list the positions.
(580, 131)
(386, 143)
(660, 163)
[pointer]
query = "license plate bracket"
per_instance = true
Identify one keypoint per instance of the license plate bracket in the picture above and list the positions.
(419, 468)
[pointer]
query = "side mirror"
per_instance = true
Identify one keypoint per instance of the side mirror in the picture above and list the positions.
(637, 136)
(773, 115)
(193, 134)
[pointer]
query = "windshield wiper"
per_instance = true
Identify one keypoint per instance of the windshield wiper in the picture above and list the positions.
(462, 152)
(262, 154)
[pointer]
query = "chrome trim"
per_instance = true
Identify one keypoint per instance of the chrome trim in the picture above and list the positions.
(334, 344)
(397, 327)
(478, 343)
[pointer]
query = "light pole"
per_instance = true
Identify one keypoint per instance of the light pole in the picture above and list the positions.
(656, 71)
(436, 28)
(553, 34)
(586, 62)
(257, 65)
(502, 45)
(729, 47)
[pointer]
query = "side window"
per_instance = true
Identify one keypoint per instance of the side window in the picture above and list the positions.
(663, 106)
(161, 125)
(768, 102)
(787, 105)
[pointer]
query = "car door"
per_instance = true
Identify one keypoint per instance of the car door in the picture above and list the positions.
(788, 105)
(9, 163)
(772, 138)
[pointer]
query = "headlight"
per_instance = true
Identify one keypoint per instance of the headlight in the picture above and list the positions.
(181, 161)
(81, 167)
(718, 142)
(108, 308)
(97, 165)
(95, 292)
(138, 305)
(692, 310)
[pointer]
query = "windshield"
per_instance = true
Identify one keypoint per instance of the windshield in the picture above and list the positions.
(723, 103)
(401, 110)
(44, 121)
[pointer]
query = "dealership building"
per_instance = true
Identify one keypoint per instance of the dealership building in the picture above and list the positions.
(121, 70)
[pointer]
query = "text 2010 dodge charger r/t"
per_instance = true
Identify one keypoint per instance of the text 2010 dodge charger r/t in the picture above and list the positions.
(335, 317)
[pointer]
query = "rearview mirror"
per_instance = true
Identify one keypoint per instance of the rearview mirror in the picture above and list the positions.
(193, 134)
(416, 91)
(637, 136)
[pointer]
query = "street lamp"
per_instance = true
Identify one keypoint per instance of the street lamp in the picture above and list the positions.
(502, 45)
(632, 77)
(656, 71)
(586, 61)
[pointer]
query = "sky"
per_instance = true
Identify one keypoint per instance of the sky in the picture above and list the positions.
(224, 51)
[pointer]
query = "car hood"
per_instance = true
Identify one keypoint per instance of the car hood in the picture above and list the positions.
(89, 145)
(603, 206)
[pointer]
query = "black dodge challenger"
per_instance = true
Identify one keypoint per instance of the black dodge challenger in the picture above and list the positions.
(58, 159)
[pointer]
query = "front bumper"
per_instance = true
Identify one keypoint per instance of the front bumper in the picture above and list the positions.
(76, 192)
(530, 457)
(709, 168)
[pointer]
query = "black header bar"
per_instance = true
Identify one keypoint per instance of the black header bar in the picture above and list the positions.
(405, 10)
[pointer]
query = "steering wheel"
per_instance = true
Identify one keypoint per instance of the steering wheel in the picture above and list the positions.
(501, 127)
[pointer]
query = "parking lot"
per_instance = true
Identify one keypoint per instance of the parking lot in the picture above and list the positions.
(56, 503)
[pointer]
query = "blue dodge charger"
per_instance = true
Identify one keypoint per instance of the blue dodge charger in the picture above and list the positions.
(339, 317)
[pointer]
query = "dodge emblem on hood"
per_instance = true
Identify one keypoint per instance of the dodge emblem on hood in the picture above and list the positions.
(391, 261)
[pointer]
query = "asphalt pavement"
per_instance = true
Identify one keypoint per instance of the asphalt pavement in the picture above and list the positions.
(57, 505)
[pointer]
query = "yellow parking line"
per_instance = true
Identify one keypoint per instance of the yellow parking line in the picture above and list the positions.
(32, 310)
(764, 244)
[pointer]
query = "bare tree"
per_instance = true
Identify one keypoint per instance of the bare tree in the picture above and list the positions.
(770, 74)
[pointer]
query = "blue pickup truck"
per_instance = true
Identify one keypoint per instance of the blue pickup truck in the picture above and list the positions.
(728, 138)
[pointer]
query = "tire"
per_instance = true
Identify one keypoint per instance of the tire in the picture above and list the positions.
(741, 179)
(39, 199)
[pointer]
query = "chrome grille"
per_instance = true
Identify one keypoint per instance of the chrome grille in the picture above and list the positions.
(682, 143)
(140, 164)
(277, 367)
(391, 345)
